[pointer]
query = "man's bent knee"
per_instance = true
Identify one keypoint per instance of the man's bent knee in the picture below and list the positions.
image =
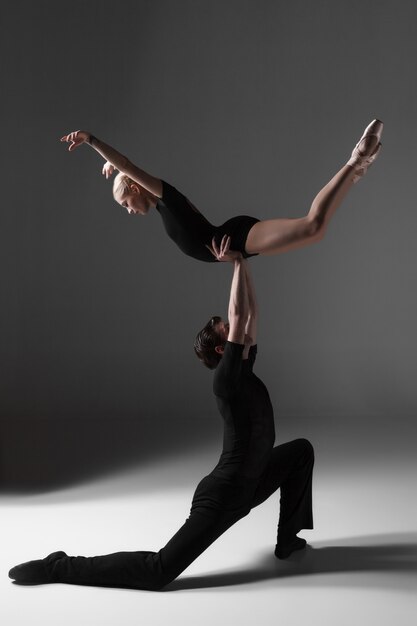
(306, 447)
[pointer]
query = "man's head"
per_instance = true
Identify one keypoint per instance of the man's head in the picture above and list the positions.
(210, 341)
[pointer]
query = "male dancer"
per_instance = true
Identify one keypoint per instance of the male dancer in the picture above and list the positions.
(250, 469)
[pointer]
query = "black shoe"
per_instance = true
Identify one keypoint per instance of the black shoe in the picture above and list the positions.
(283, 551)
(34, 572)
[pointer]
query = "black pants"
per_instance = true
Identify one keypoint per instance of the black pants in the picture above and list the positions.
(216, 506)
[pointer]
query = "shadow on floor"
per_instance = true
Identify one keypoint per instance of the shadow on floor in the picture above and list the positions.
(39, 455)
(382, 561)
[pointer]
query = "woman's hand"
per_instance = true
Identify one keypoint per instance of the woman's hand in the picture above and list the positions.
(76, 138)
(108, 169)
(223, 253)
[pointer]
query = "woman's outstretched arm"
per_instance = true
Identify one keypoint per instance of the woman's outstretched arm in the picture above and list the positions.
(118, 160)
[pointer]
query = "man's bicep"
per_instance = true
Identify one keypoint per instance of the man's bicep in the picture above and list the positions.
(236, 329)
(252, 328)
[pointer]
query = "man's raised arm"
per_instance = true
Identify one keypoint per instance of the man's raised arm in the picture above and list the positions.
(238, 312)
(252, 323)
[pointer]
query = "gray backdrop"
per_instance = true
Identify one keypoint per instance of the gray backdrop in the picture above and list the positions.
(247, 107)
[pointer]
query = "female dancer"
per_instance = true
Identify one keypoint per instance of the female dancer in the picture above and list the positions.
(139, 192)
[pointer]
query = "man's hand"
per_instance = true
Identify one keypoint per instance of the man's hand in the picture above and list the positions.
(108, 169)
(223, 253)
(76, 138)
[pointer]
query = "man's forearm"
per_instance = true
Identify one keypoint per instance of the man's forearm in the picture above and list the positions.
(238, 303)
(252, 321)
(252, 301)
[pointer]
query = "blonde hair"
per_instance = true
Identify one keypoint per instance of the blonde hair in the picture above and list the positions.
(121, 186)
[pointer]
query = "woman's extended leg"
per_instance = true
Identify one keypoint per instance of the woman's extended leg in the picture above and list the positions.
(280, 235)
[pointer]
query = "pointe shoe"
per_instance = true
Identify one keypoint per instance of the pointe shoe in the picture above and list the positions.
(366, 150)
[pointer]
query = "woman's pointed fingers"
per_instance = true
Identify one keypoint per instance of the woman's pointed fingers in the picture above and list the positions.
(211, 250)
(214, 246)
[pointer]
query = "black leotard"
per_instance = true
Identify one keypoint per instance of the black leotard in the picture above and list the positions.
(191, 231)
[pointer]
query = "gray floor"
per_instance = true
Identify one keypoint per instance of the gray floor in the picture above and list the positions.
(361, 566)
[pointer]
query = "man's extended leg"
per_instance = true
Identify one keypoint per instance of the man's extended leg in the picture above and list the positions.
(143, 569)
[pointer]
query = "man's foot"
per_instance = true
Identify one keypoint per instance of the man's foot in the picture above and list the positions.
(35, 572)
(366, 150)
(284, 549)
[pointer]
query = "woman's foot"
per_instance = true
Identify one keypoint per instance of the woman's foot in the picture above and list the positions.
(366, 150)
(35, 572)
(283, 549)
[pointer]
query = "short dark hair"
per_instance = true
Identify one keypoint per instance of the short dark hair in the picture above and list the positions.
(205, 344)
